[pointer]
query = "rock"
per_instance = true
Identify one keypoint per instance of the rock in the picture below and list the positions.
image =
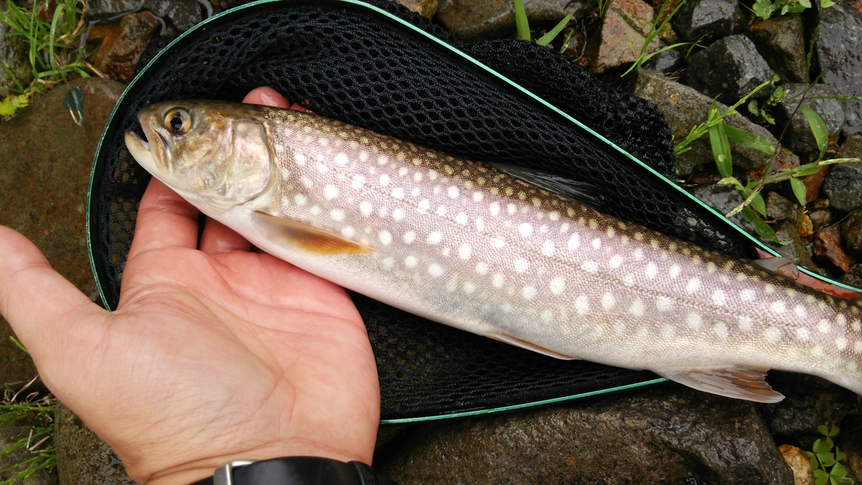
(779, 208)
(122, 46)
(710, 19)
(839, 57)
(683, 108)
(667, 62)
(799, 136)
(853, 276)
(14, 54)
(781, 41)
(843, 184)
(724, 198)
(799, 463)
(668, 435)
(104, 10)
(184, 14)
(473, 21)
(851, 233)
(425, 8)
(820, 218)
(827, 245)
(808, 403)
(813, 183)
(795, 251)
(805, 228)
(624, 30)
(83, 458)
(850, 442)
(728, 70)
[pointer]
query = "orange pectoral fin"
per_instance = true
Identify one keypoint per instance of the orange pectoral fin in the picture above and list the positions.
(307, 238)
(786, 269)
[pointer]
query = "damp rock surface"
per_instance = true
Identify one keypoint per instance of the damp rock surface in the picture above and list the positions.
(728, 70)
(843, 184)
(838, 55)
(820, 99)
(624, 30)
(709, 20)
(781, 41)
(471, 20)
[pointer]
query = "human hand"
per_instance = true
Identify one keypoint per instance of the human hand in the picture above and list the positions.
(213, 354)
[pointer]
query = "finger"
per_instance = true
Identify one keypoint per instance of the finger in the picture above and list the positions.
(267, 96)
(164, 220)
(218, 238)
(34, 298)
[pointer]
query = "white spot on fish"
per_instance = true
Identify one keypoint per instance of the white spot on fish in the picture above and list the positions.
(528, 292)
(415, 192)
(348, 232)
(409, 237)
(629, 280)
(398, 193)
(435, 270)
(330, 192)
(497, 280)
(693, 320)
(461, 218)
(382, 160)
(366, 208)
(464, 252)
(315, 210)
(411, 261)
(744, 323)
(769, 288)
(322, 168)
(772, 335)
(841, 343)
(385, 237)
(720, 329)
(481, 268)
(441, 211)
(674, 271)
(718, 297)
(423, 206)
(387, 263)
(383, 211)
(802, 334)
(616, 261)
(557, 285)
(637, 308)
(300, 199)
(526, 229)
(590, 267)
(554, 215)
(840, 320)
(434, 238)
(693, 285)
(521, 265)
(663, 304)
(710, 267)
(667, 332)
(478, 196)
(824, 326)
(452, 192)
(799, 310)
(494, 208)
(307, 182)
(337, 215)
(608, 301)
(342, 159)
(619, 327)
(398, 214)
(582, 305)
(548, 249)
(651, 270)
(497, 243)
(858, 346)
(300, 159)
(452, 285)
(358, 182)
(856, 325)
(468, 287)
(511, 209)
(778, 307)
(363, 156)
(384, 180)
(547, 316)
(574, 242)
(480, 224)
(596, 243)
(746, 295)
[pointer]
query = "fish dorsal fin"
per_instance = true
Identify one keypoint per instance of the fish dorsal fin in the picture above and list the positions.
(782, 267)
(307, 238)
(576, 190)
(515, 341)
(733, 382)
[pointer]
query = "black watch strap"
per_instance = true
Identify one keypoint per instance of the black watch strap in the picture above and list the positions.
(296, 470)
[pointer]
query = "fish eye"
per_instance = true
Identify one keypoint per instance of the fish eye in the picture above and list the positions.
(178, 121)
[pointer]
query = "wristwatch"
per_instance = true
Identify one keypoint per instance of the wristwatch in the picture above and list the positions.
(295, 470)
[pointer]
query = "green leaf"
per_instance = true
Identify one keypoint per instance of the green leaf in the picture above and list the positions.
(822, 429)
(826, 3)
(521, 21)
(720, 147)
(74, 101)
(744, 138)
(838, 471)
(763, 9)
(813, 463)
(820, 477)
(828, 459)
(818, 128)
(839, 455)
(834, 431)
(821, 446)
(761, 228)
(758, 204)
(799, 190)
(806, 170)
(547, 38)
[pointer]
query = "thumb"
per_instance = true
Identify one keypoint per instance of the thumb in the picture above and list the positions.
(36, 300)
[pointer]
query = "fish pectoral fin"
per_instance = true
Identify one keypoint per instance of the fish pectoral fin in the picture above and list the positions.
(307, 238)
(577, 190)
(508, 339)
(782, 267)
(733, 382)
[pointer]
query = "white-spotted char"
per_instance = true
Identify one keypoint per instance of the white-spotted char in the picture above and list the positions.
(471, 246)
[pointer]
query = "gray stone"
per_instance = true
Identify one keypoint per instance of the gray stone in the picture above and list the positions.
(668, 61)
(709, 19)
(82, 457)
(779, 208)
(14, 53)
(781, 41)
(624, 29)
(425, 8)
(853, 276)
(797, 250)
(843, 184)
(839, 57)
(473, 21)
(851, 234)
(683, 108)
(799, 137)
(667, 435)
(728, 70)
(184, 14)
(820, 218)
(103, 10)
(809, 402)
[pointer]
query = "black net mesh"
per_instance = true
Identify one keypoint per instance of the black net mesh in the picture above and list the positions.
(350, 63)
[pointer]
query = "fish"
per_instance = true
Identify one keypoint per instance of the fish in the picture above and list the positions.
(482, 248)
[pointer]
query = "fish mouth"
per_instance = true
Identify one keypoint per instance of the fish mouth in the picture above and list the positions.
(143, 152)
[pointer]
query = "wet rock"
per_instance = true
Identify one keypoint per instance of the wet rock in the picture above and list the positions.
(820, 218)
(799, 136)
(668, 435)
(83, 458)
(799, 463)
(184, 14)
(827, 245)
(850, 442)
(728, 70)
(813, 183)
(796, 251)
(809, 402)
(683, 108)
(473, 21)
(843, 186)
(710, 19)
(724, 198)
(839, 57)
(779, 208)
(103, 10)
(624, 30)
(122, 45)
(851, 233)
(425, 8)
(14, 53)
(853, 276)
(805, 228)
(781, 41)
(667, 62)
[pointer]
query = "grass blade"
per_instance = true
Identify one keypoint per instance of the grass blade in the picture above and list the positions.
(799, 190)
(521, 21)
(744, 138)
(818, 128)
(553, 33)
(720, 146)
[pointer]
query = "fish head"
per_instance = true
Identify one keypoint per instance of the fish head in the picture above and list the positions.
(214, 154)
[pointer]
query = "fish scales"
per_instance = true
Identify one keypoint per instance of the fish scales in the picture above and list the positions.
(471, 246)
